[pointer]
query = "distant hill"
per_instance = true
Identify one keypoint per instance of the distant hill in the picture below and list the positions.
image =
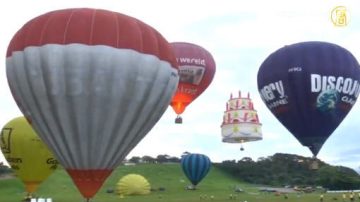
(292, 170)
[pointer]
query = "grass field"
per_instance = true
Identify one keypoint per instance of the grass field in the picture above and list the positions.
(217, 184)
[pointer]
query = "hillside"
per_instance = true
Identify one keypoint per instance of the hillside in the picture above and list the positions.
(292, 170)
(168, 176)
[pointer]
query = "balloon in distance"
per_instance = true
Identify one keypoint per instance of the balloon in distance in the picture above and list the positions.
(195, 167)
(240, 121)
(196, 69)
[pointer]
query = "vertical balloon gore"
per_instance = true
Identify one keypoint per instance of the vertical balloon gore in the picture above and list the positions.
(310, 87)
(195, 167)
(88, 181)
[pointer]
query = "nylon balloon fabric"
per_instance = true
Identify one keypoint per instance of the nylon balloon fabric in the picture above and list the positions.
(196, 69)
(310, 87)
(93, 83)
(133, 184)
(26, 154)
(195, 167)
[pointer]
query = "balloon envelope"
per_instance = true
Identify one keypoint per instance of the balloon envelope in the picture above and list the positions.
(240, 121)
(196, 70)
(25, 152)
(195, 167)
(310, 87)
(133, 184)
(93, 83)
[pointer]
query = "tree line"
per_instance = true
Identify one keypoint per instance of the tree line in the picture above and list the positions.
(291, 170)
(162, 158)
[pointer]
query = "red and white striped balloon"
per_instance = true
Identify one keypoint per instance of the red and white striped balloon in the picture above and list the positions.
(93, 83)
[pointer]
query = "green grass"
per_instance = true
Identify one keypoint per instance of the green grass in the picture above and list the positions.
(60, 188)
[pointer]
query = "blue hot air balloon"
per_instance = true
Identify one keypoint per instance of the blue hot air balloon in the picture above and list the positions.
(310, 87)
(195, 167)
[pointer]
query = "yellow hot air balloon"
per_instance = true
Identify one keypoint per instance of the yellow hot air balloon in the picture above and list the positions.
(133, 184)
(27, 155)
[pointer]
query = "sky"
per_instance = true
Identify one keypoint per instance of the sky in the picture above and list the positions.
(239, 35)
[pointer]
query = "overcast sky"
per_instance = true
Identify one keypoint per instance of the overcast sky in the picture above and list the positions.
(239, 35)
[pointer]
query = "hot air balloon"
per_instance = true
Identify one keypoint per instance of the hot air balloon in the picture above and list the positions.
(26, 154)
(196, 70)
(310, 87)
(195, 167)
(240, 121)
(133, 184)
(93, 83)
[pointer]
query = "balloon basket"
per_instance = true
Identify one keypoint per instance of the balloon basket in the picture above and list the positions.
(28, 197)
(241, 145)
(314, 165)
(191, 187)
(242, 149)
(178, 120)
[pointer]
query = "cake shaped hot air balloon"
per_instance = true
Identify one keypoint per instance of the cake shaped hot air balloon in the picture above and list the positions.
(196, 70)
(310, 87)
(26, 154)
(93, 83)
(240, 121)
